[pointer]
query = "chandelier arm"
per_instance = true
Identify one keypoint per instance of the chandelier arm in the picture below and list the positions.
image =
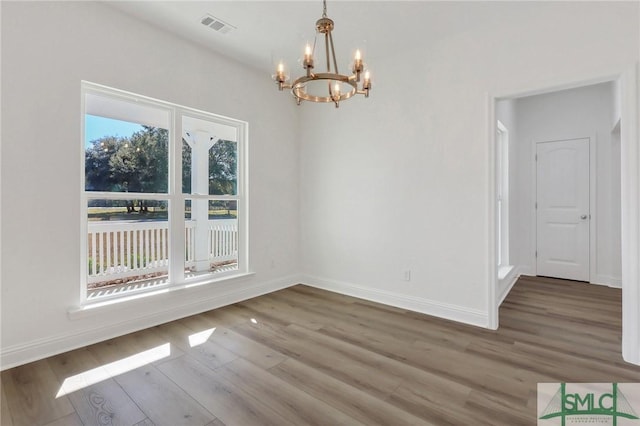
(333, 53)
(326, 47)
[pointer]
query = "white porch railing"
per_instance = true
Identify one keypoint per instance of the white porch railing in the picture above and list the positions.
(118, 250)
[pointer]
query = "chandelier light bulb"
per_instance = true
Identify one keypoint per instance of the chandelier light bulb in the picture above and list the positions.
(280, 77)
(357, 65)
(307, 64)
(366, 85)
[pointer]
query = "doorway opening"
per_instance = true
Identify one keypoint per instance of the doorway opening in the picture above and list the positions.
(607, 218)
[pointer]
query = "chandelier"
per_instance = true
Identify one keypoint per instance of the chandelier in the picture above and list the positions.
(329, 86)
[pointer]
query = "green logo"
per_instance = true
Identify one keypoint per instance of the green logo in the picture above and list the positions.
(588, 404)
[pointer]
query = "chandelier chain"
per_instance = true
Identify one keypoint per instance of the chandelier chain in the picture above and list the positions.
(324, 8)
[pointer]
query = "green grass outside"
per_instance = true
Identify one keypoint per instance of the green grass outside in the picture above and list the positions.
(154, 214)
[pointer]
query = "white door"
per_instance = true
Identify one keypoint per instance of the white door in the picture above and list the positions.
(562, 194)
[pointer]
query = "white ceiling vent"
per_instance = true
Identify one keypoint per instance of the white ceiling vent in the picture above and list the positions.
(217, 24)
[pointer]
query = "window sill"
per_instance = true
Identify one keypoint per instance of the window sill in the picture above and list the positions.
(95, 307)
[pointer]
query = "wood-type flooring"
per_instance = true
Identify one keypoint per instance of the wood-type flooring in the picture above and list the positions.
(304, 356)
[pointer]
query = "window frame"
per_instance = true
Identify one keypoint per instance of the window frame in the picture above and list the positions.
(174, 196)
(502, 194)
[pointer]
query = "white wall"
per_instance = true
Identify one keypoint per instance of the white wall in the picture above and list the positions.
(617, 101)
(575, 113)
(506, 113)
(401, 180)
(47, 49)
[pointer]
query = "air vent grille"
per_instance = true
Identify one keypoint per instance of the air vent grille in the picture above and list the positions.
(217, 24)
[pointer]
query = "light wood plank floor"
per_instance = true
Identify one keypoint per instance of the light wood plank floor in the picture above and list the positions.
(306, 356)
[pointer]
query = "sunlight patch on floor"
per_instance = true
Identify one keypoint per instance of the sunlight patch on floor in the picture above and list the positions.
(98, 374)
(200, 337)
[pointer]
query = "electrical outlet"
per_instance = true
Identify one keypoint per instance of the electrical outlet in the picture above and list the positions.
(407, 275)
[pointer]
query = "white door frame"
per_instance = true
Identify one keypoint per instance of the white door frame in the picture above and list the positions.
(630, 200)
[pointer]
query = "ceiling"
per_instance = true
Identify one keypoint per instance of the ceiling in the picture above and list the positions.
(270, 31)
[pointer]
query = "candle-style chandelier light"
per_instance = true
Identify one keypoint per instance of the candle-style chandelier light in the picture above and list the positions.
(330, 86)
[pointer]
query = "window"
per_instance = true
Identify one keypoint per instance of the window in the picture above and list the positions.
(162, 195)
(502, 178)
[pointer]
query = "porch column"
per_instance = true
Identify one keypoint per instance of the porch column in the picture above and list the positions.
(200, 143)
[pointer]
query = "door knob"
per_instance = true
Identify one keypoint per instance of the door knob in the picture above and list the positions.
(583, 217)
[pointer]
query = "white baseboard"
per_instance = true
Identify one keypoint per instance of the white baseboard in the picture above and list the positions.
(527, 270)
(23, 353)
(607, 280)
(507, 283)
(425, 306)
